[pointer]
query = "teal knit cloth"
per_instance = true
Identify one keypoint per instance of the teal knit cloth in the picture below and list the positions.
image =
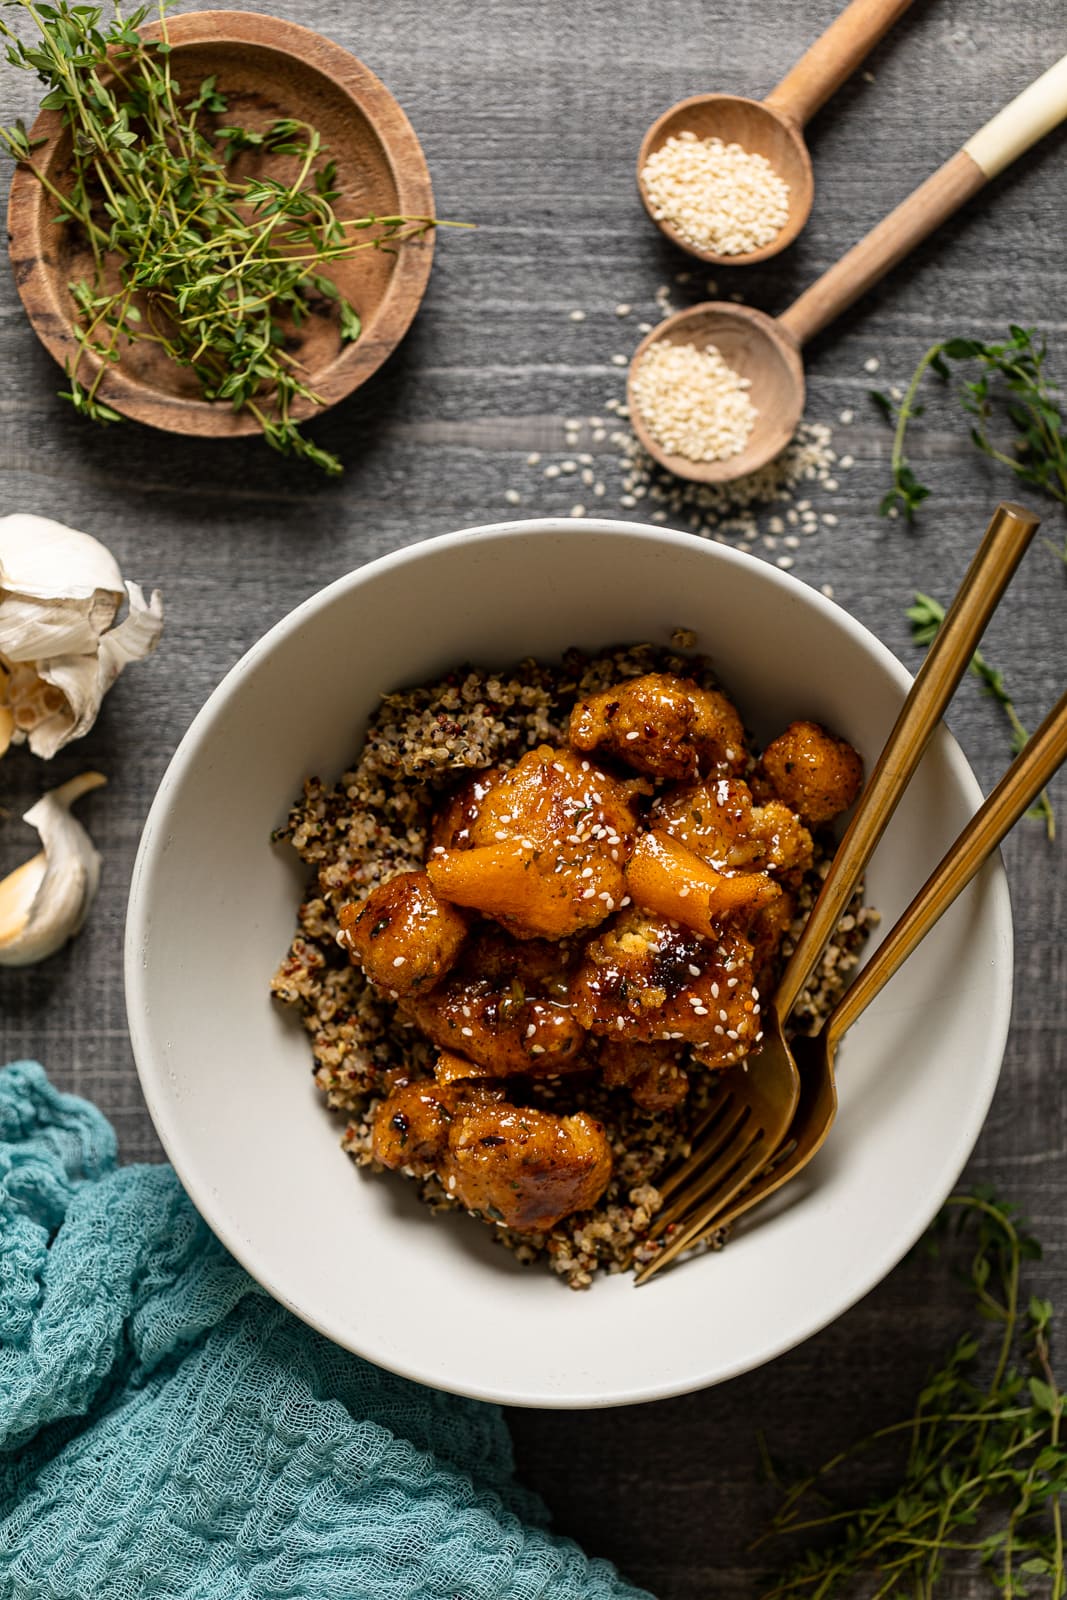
(168, 1430)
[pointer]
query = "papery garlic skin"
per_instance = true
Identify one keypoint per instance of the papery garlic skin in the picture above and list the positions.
(44, 902)
(60, 591)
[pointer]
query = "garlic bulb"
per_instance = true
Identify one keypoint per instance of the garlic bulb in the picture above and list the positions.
(60, 592)
(44, 902)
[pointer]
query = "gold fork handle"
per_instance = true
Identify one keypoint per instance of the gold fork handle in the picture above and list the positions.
(1014, 795)
(1006, 539)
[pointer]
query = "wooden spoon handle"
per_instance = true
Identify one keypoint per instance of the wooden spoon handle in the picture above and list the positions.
(834, 57)
(895, 237)
(1006, 540)
(1038, 761)
(1012, 131)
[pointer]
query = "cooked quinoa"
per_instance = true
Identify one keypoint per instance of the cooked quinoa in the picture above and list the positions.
(374, 822)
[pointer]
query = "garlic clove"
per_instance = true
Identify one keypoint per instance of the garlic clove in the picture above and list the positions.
(45, 560)
(18, 891)
(33, 630)
(44, 902)
(83, 680)
(60, 647)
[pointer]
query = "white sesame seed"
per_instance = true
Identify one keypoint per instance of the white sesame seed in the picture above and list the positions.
(577, 316)
(468, 1033)
(534, 458)
(398, 961)
(623, 310)
(512, 496)
(871, 364)
(693, 403)
(619, 361)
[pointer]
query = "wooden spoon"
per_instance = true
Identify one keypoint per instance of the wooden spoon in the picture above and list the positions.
(773, 127)
(766, 350)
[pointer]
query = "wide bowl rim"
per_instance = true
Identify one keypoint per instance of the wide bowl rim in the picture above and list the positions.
(153, 843)
(49, 316)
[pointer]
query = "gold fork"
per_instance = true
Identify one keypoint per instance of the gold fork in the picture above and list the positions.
(1024, 780)
(752, 1108)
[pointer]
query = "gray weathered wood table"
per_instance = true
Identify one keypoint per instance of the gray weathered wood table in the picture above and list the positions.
(531, 116)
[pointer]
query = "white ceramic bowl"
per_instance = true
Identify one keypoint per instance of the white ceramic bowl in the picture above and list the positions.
(227, 1076)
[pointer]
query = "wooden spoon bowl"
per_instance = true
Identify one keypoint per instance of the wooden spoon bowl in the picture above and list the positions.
(267, 69)
(773, 127)
(758, 128)
(757, 348)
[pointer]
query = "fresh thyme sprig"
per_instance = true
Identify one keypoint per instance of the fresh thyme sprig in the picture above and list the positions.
(926, 617)
(983, 1466)
(1012, 381)
(216, 269)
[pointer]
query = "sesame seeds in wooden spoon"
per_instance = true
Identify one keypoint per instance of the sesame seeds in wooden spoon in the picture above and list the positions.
(763, 352)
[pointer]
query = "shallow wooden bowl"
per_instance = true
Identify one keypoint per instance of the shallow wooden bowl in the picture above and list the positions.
(267, 69)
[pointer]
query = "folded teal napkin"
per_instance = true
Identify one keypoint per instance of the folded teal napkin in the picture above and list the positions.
(166, 1429)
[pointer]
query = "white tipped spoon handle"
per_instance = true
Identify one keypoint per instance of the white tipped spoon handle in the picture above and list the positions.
(1028, 118)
